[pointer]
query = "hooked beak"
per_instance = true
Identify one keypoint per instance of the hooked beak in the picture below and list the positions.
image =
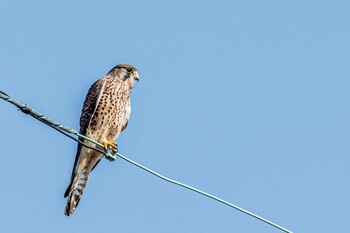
(136, 76)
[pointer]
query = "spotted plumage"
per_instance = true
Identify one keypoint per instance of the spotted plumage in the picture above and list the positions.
(105, 115)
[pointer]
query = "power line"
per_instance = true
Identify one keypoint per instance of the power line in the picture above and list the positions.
(110, 155)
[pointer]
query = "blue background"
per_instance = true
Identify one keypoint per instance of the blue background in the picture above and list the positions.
(247, 100)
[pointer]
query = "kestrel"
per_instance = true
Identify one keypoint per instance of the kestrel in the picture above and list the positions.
(105, 115)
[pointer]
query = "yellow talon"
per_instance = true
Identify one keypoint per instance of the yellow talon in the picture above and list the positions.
(111, 144)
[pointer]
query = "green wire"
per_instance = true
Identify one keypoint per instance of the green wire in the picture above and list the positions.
(90, 140)
(26, 109)
(203, 193)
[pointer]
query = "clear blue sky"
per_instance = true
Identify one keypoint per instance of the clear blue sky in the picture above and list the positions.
(247, 100)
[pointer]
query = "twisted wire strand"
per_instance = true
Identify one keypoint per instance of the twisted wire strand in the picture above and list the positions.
(49, 122)
(67, 130)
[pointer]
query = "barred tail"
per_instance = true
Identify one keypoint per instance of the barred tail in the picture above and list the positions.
(76, 191)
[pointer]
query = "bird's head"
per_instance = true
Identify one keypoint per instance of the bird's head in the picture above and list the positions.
(126, 73)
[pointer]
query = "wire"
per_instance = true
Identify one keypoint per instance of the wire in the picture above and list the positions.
(66, 131)
(77, 140)
(49, 122)
(203, 193)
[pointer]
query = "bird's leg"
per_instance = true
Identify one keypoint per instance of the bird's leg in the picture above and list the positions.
(111, 144)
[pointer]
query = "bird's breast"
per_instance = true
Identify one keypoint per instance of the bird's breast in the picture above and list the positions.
(114, 110)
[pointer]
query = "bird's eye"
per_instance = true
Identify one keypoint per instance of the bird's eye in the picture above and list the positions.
(129, 69)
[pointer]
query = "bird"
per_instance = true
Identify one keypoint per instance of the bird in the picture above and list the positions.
(105, 114)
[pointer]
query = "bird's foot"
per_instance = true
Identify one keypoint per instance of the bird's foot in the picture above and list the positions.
(111, 149)
(111, 144)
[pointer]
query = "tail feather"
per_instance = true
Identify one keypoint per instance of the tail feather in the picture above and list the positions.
(67, 190)
(76, 190)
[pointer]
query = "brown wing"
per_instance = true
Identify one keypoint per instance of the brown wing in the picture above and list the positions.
(91, 101)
